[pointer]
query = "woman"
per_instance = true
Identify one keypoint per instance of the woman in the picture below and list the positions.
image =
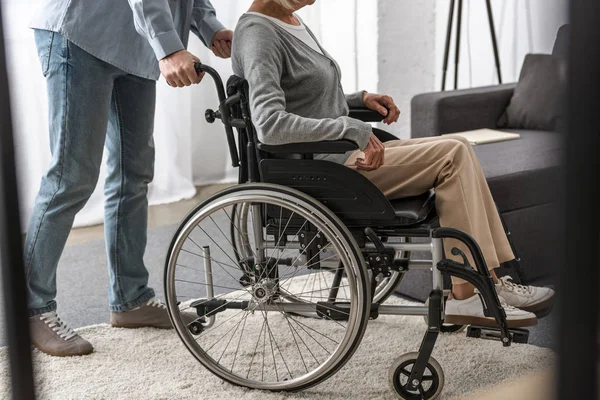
(296, 96)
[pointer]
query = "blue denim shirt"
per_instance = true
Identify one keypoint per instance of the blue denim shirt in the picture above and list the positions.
(131, 35)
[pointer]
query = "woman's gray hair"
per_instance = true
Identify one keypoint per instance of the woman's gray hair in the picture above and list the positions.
(289, 4)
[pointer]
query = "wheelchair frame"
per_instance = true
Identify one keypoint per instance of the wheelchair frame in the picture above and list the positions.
(368, 228)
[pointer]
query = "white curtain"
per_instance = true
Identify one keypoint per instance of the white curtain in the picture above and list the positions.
(189, 152)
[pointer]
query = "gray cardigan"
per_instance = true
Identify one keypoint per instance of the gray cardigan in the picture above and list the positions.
(295, 92)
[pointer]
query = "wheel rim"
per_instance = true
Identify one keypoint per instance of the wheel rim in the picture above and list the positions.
(239, 232)
(293, 373)
(427, 388)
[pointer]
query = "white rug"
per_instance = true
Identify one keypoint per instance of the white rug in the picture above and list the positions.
(154, 364)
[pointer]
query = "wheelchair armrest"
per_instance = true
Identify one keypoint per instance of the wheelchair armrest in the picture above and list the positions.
(324, 147)
(365, 115)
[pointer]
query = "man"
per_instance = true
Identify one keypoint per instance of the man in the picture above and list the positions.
(101, 60)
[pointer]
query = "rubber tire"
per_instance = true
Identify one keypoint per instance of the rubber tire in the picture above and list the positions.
(432, 364)
(361, 277)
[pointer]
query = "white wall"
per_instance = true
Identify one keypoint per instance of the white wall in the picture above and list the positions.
(412, 37)
(407, 45)
(348, 30)
(522, 27)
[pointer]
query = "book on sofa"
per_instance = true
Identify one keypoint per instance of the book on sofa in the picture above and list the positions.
(482, 136)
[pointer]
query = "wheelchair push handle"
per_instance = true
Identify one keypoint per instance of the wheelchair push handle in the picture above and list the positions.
(224, 112)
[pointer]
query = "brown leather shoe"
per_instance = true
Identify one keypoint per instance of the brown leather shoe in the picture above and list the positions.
(52, 336)
(153, 314)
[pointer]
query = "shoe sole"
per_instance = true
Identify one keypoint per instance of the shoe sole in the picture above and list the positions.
(544, 305)
(55, 354)
(488, 322)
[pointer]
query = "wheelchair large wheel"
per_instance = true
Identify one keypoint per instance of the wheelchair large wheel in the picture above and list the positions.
(249, 333)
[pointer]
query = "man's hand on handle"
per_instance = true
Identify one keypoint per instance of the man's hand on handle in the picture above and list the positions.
(221, 43)
(374, 155)
(178, 69)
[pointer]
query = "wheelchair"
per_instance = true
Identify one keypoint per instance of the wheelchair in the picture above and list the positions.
(270, 284)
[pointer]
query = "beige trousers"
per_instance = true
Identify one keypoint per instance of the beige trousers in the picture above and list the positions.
(463, 199)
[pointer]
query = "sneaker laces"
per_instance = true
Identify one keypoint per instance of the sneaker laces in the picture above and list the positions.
(154, 302)
(505, 305)
(507, 282)
(59, 327)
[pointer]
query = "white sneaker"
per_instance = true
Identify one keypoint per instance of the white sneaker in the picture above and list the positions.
(470, 312)
(528, 298)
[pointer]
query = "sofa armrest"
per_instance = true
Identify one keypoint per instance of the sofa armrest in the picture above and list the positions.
(324, 147)
(434, 114)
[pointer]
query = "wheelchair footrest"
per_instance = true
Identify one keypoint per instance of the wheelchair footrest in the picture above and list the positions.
(481, 332)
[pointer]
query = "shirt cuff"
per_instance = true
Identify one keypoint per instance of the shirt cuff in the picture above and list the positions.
(208, 27)
(165, 44)
(359, 133)
(355, 100)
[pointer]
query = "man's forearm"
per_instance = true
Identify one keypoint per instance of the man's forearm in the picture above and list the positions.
(204, 21)
(154, 21)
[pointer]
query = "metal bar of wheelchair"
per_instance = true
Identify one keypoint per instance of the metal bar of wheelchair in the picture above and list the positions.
(424, 247)
(480, 278)
(223, 305)
(225, 112)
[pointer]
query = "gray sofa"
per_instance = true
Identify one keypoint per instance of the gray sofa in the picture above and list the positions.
(524, 175)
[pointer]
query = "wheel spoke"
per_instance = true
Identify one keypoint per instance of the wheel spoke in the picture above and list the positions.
(202, 257)
(239, 342)
(232, 336)
(293, 330)
(235, 226)
(255, 348)
(266, 344)
(214, 329)
(205, 284)
(286, 248)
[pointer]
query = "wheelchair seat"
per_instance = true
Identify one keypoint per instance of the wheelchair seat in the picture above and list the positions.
(413, 210)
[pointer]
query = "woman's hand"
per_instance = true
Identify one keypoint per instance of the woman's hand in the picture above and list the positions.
(221, 43)
(374, 155)
(384, 105)
(178, 69)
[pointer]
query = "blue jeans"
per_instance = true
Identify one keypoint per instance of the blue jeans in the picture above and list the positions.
(92, 105)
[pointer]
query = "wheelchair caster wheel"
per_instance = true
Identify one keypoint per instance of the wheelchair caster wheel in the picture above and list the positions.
(446, 328)
(196, 328)
(430, 386)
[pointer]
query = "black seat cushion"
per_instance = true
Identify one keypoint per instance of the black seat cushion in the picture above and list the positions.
(413, 210)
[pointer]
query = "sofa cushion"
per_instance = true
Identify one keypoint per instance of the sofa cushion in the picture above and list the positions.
(524, 172)
(537, 100)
